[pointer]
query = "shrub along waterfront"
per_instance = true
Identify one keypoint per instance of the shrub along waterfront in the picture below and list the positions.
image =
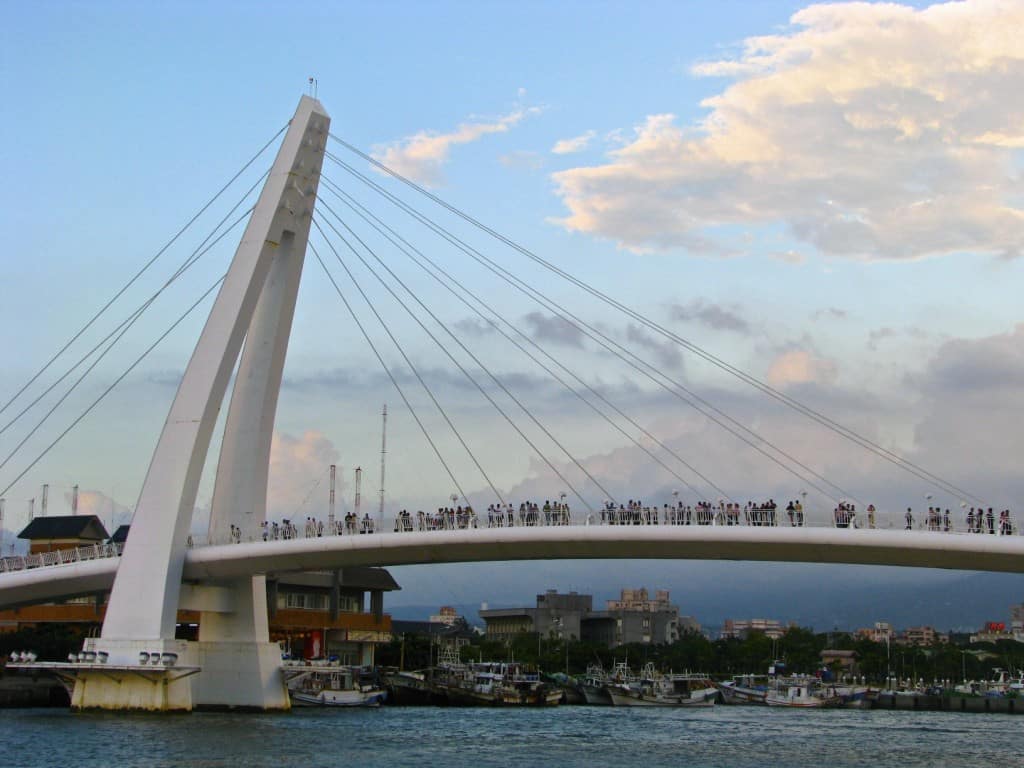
(799, 648)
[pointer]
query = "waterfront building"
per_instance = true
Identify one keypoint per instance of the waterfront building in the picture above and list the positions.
(921, 636)
(843, 660)
(446, 615)
(740, 629)
(52, 534)
(633, 618)
(994, 631)
(1017, 619)
(882, 632)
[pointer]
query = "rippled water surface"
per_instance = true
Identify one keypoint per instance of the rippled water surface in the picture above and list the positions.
(560, 738)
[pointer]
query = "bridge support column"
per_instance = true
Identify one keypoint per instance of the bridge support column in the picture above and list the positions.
(232, 664)
(241, 667)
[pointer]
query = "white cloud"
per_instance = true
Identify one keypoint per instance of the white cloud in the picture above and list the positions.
(797, 366)
(872, 131)
(299, 466)
(110, 511)
(575, 144)
(522, 159)
(422, 156)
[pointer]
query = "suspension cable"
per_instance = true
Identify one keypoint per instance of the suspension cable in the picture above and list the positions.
(112, 344)
(384, 365)
(196, 254)
(139, 274)
(765, 388)
(408, 249)
(419, 378)
(462, 368)
(637, 363)
(116, 381)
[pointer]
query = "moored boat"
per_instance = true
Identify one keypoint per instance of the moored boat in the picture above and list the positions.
(497, 684)
(660, 690)
(744, 689)
(592, 687)
(801, 693)
(333, 686)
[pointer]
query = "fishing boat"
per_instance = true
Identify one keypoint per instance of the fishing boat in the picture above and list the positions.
(411, 689)
(654, 689)
(801, 693)
(497, 684)
(744, 689)
(592, 687)
(333, 686)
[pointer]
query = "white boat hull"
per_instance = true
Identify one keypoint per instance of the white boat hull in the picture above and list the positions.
(624, 698)
(330, 698)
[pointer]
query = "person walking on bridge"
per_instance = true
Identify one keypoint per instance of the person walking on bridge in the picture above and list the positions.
(910, 519)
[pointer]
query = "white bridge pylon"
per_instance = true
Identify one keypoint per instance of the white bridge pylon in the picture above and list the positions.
(255, 305)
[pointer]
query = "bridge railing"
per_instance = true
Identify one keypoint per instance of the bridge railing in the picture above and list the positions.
(440, 523)
(60, 557)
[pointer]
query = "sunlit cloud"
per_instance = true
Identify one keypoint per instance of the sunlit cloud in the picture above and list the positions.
(575, 144)
(422, 156)
(871, 131)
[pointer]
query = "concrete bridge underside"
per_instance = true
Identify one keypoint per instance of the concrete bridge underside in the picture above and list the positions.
(224, 563)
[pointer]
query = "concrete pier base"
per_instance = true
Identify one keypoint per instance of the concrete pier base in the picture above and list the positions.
(128, 679)
(185, 676)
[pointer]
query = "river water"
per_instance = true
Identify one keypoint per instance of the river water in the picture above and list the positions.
(565, 737)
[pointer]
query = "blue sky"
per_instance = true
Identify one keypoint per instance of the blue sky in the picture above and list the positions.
(828, 197)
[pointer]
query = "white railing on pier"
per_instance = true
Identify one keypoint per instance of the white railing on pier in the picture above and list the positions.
(60, 557)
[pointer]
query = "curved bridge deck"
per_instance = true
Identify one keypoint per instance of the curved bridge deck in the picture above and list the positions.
(924, 549)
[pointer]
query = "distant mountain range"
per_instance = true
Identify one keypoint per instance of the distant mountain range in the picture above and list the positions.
(821, 597)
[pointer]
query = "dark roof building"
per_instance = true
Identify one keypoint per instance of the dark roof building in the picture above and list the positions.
(49, 534)
(120, 535)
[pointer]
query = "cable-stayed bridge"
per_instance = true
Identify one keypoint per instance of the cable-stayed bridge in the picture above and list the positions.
(244, 344)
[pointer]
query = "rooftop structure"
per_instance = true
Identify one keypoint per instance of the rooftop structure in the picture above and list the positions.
(50, 534)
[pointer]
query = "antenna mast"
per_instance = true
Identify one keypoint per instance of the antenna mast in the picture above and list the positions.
(46, 495)
(74, 500)
(359, 484)
(383, 453)
(330, 506)
(32, 508)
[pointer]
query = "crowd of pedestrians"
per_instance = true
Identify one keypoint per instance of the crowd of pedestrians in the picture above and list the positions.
(633, 512)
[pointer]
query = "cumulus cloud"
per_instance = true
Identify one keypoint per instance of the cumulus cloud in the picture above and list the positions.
(422, 156)
(833, 313)
(877, 335)
(667, 352)
(297, 482)
(575, 144)
(110, 511)
(871, 131)
(972, 398)
(798, 366)
(522, 159)
(714, 316)
(544, 327)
